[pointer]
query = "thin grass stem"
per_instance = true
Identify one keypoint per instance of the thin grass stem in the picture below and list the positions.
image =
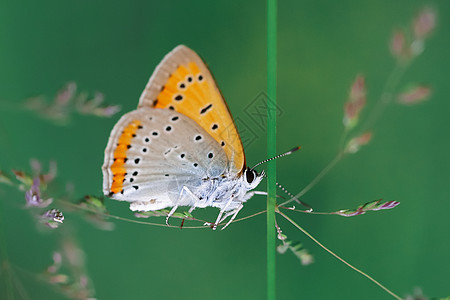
(338, 257)
(250, 216)
(306, 211)
(76, 206)
(387, 95)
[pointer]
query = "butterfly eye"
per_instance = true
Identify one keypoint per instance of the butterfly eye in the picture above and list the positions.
(250, 175)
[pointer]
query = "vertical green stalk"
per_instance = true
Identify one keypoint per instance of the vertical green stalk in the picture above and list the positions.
(271, 142)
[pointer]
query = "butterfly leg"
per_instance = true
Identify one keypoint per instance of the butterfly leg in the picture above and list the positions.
(259, 193)
(233, 215)
(235, 211)
(170, 214)
(231, 212)
(174, 208)
(219, 217)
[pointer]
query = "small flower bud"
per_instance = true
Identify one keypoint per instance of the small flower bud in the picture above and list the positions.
(424, 23)
(306, 258)
(397, 45)
(355, 103)
(414, 95)
(356, 143)
(66, 94)
(108, 111)
(281, 236)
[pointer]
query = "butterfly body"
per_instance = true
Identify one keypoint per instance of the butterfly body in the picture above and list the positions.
(180, 147)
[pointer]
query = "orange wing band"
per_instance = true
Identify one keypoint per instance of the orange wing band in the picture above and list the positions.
(120, 156)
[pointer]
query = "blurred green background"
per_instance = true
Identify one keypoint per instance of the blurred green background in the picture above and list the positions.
(113, 47)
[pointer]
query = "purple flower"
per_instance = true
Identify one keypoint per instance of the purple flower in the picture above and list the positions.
(388, 205)
(369, 206)
(33, 195)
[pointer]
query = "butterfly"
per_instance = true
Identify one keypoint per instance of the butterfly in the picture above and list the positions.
(180, 147)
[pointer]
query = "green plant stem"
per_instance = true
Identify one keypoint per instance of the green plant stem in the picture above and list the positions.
(338, 257)
(271, 144)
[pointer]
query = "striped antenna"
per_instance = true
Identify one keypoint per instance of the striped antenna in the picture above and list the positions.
(278, 156)
(293, 197)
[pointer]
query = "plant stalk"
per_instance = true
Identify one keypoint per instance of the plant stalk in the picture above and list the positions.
(271, 144)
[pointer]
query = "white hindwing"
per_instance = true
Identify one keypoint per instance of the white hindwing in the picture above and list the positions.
(169, 151)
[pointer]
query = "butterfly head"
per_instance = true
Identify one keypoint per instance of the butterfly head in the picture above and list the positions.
(252, 178)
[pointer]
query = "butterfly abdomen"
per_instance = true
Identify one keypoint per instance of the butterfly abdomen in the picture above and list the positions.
(217, 192)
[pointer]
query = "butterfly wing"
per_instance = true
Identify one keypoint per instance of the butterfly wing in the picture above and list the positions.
(183, 83)
(152, 153)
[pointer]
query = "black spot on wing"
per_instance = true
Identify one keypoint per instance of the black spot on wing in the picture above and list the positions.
(205, 109)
